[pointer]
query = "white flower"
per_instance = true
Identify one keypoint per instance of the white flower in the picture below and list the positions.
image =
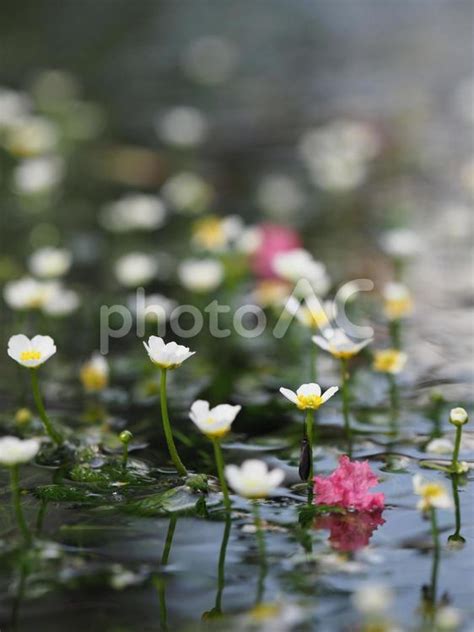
(213, 422)
(95, 373)
(372, 598)
(458, 416)
(32, 136)
(182, 126)
(188, 193)
(298, 264)
(167, 356)
(35, 176)
(201, 275)
(135, 269)
(31, 353)
(61, 302)
(28, 293)
(249, 240)
(279, 195)
(308, 396)
(216, 234)
(311, 312)
(432, 494)
(336, 342)
(14, 451)
(397, 300)
(253, 479)
(400, 243)
(14, 106)
(50, 262)
(135, 211)
(440, 446)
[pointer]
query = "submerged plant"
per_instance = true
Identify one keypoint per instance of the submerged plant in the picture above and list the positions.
(309, 397)
(215, 423)
(167, 357)
(14, 452)
(32, 354)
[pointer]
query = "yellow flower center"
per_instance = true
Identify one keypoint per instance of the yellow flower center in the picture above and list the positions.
(218, 432)
(29, 355)
(314, 319)
(208, 233)
(93, 380)
(342, 354)
(398, 307)
(309, 401)
(264, 611)
(387, 361)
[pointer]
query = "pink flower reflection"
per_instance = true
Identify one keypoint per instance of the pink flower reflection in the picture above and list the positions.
(350, 531)
(348, 486)
(273, 240)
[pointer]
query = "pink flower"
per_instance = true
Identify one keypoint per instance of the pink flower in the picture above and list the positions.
(348, 487)
(350, 531)
(273, 240)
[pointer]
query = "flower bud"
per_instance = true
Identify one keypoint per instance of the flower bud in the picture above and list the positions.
(458, 417)
(23, 416)
(125, 437)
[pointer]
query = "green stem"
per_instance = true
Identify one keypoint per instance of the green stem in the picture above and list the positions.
(52, 432)
(456, 536)
(169, 539)
(313, 358)
(167, 427)
(396, 333)
(434, 570)
(15, 489)
(261, 551)
(220, 472)
(159, 582)
(346, 401)
(125, 456)
(310, 437)
(457, 446)
(394, 402)
(221, 564)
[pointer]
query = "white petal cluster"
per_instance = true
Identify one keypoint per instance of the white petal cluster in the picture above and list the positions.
(400, 243)
(49, 296)
(31, 353)
(135, 268)
(135, 211)
(213, 422)
(337, 343)
(253, 479)
(295, 265)
(153, 307)
(49, 263)
(167, 355)
(37, 176)
(201, 275)
(432, 494)
(308, 396)
(14, 451)
(182, 126)
(188, 193)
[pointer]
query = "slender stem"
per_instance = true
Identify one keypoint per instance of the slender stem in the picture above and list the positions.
(221, 564)
(167, 427)
(50, 429)
(313, 358)
(261, 551)
(457, 508)
(346, 401)
(394, 402)
(125, 456)
(159, 582)
(395, 333)
(15, 489)
(434, 570)
(169, 539)
(310, 437)
(457, 446)
(40, 517)
(220, 472)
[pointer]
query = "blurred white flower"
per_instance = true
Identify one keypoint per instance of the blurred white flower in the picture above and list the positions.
(188, 193)
(279, 195)
(210, 60)
(440, 446)
(309, 396)
(32, 136)
(200, 275)
(135, 268)
(94, 373)
(458, 416)
(135, 211)
(253, 479)
(14, 107)
(38, 175)
(397, 300)
(213, 422)
(338, 344)
(432, 494)
(448, 618)
(372, 599)
(249, 240)
(400, 243)
(14, 451)
(390, 361)
(337, 155)
(166, 355)
(31, 353)
(311, 312)
(61, 302)
(295, 265)
(183, 126)
(50, 262)
(28, 293)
